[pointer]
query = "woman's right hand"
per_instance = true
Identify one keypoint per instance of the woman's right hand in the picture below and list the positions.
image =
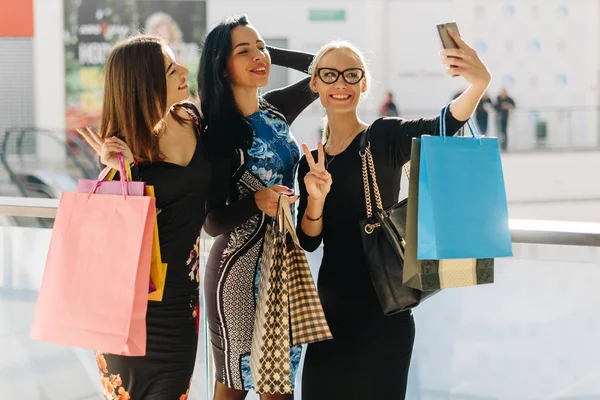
(267, 199)
(317, 181)
(107, 148)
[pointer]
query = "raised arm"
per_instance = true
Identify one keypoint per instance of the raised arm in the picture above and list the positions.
(297, 60)
(293, 99)
(314, 182)
(465, 62)
(311, 240)
(396, 134)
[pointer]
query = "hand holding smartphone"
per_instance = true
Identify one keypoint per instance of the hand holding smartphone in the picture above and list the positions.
(445, 38)
(447, 41)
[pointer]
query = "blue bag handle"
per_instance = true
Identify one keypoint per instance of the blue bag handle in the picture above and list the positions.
(470, 124)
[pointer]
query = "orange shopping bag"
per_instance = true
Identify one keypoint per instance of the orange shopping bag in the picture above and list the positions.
(158, 269)
(95, 287)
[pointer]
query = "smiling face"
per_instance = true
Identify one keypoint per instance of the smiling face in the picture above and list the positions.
(339, 78)
(177, 85)
(249, 63)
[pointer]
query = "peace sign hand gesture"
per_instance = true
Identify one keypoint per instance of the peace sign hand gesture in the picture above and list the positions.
(107, 148)
(318, 180)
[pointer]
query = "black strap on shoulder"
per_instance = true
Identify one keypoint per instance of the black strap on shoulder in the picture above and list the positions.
(364, 140)
(365, 136)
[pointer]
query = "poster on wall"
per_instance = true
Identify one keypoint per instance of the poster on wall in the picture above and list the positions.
(92, 27)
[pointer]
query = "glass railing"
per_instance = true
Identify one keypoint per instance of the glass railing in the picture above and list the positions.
(530, 129)
(539, 129)
(530, 335)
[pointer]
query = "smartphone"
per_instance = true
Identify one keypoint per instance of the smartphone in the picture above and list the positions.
(447, 41)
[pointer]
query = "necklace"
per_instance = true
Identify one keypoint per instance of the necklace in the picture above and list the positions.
(329, 161)
(343, 147)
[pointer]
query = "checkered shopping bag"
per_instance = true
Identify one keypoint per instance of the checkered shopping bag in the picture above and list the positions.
(288, 310)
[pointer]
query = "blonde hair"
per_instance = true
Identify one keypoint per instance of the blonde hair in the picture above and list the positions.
(336, 45)
(161, 23)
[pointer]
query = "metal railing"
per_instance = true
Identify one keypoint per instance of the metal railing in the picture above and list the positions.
(522, 230)
(30, 176)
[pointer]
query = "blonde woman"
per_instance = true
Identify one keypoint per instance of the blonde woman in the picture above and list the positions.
(370, 354)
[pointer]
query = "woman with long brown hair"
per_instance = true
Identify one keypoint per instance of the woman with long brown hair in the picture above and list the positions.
(145, 117)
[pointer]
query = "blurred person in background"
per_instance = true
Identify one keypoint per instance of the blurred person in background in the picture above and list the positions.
(484, 107)
(504, 105)
(388, 108)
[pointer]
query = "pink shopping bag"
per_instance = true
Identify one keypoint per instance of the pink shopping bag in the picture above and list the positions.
(94, 291)
(102, 186)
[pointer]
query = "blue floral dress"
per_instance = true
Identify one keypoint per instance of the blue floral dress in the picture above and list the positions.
(273, 157)
(233, 269)
(274, 154)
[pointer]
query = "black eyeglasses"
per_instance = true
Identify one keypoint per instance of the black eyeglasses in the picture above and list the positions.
(351, 75)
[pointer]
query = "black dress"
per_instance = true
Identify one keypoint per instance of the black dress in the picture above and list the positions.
(165, 372)
(370, 353)
(233, 268)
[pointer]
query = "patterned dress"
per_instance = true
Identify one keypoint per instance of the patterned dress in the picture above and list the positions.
(233, 269)
(165, 371)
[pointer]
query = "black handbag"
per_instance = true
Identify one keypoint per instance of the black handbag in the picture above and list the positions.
(382, 234)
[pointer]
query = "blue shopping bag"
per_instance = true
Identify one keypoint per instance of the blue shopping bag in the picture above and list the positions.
(463, 211)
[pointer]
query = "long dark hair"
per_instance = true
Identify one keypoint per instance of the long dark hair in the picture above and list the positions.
(227, 128)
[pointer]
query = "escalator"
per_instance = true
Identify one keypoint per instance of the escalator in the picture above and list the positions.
(24, 173)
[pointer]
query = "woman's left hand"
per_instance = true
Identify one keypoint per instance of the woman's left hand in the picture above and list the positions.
(465, 62)
(107, 148)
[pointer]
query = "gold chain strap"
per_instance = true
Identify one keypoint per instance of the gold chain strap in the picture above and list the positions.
(367, 158)
(367, 189)
(378, 202)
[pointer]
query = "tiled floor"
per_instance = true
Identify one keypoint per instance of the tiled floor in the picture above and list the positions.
(36, 370)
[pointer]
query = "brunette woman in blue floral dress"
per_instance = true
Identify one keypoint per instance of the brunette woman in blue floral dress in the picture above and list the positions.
(255, 161)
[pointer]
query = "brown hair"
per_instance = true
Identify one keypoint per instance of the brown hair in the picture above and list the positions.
(135, 95)
(336, 45)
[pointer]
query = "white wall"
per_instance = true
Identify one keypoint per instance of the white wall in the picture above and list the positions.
(546, 53)
(49, 73)
(417, 76)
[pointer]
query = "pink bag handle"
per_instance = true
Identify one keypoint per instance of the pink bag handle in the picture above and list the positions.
(104, 174)
(122, 177)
